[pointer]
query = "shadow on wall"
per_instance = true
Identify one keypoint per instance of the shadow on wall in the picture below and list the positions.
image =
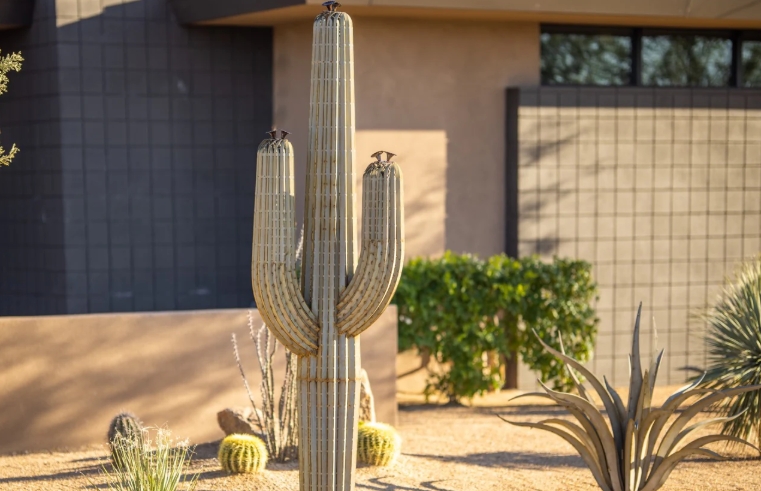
(548, 200)
(64, 378)
(425, 184)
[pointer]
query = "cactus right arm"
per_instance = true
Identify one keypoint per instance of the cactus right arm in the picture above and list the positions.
(273, 270)
(380, 262)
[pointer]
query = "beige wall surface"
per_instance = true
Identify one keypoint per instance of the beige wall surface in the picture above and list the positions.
(432, 92)
(660, 189)
(62, 378)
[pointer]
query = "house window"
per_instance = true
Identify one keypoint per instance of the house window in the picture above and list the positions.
(591, 55)
(686, 61)
(751, 64)
(586, 59)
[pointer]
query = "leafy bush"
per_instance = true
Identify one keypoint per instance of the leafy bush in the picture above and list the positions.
(734, 351)
(459, 310)
(11, 62)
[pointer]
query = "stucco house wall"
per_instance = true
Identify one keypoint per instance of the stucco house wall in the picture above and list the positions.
(433, 93)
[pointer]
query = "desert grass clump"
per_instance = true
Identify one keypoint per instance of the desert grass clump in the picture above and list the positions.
(378, 444)
(126, 426)
(734, 351)
(145, 468)
(639, 446)
(242, 454)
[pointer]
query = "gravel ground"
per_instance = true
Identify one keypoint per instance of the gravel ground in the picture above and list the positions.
(445, 449)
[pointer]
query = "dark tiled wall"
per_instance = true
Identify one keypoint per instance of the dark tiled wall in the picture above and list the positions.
(660, 189)
(158, 128)
(32, 264)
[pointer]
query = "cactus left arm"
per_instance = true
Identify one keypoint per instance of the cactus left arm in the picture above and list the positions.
(273, 270)
(382, 255)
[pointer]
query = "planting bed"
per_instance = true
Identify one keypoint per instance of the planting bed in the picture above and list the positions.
(445, 449)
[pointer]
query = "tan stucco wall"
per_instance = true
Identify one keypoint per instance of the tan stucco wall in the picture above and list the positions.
(62, 378)
(432, 92)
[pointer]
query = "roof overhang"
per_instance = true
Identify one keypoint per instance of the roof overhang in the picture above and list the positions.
(16, 13)
(687, 13)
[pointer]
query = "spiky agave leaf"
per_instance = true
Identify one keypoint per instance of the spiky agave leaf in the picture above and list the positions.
(637, 448)
(734, 350)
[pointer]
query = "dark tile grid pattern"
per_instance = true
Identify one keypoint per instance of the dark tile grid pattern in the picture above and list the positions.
(659, 189)
(159, 128)
(32, 269)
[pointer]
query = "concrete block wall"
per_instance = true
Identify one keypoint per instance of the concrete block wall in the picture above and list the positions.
(147, 159)
(660, 189)
(32, 262)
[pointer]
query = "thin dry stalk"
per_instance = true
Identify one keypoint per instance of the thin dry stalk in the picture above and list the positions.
(277, 419)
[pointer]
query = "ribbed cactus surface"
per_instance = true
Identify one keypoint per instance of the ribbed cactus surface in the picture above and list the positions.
(378, 444)
(124, 426)
(242, 454)
(341, 291)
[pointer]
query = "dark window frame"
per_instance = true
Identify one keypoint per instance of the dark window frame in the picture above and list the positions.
(737, 36)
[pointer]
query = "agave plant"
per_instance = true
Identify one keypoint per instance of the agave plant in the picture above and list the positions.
(734, 349)
(638, 447)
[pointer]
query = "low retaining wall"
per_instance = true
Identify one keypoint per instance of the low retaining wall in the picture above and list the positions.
(62, 378)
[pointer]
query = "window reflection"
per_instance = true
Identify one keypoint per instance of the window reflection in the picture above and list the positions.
(751, 60)
(688, 61)
(584, 59)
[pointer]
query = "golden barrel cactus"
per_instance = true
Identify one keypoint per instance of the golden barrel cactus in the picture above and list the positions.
(378, 444)
(242, 454)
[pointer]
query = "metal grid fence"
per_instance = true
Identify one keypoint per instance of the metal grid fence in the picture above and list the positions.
(660, 189)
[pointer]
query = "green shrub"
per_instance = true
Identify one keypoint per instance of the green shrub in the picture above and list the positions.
(459, 309)
(734, 351)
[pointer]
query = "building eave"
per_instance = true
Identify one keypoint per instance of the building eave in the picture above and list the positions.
(16, 13)
(688, 13)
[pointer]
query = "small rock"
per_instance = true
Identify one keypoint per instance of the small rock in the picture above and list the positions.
(366, 400)
(239, 420)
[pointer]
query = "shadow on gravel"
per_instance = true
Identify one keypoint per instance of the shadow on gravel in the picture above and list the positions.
(377, 484)
(88, 470)
(509, 460)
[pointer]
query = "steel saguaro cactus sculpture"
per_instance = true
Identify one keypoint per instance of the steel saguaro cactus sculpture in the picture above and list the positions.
(341, 293)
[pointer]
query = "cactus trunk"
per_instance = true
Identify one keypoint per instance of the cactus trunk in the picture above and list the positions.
(328, 387)
(321, 318)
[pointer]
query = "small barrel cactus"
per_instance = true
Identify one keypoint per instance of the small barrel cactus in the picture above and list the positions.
(124, 426)
(378, 444)
(242, 454)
